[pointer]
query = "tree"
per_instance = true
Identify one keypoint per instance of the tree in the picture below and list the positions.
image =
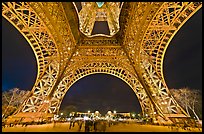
(181, 96)
(194, 98)
(189, 99)
(12, 99)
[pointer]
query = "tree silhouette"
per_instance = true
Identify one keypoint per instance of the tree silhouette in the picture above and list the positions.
(11, 100)
(190, 100)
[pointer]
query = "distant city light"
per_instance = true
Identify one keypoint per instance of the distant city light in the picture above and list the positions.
(86, 118)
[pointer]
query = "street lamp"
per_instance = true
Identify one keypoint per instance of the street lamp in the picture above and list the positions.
(114, 111)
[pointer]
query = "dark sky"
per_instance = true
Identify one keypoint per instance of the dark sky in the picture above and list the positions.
(19, 67)
(102, 92)
(182, 68)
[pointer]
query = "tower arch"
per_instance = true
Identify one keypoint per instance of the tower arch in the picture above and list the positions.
(100, 67)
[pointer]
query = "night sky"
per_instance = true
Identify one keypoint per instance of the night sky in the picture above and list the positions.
(182, 68)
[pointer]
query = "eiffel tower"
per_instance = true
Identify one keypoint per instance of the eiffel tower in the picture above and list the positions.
(67, 48)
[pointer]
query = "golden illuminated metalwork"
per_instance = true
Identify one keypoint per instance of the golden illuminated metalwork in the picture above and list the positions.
(135, 54)
(90, 12)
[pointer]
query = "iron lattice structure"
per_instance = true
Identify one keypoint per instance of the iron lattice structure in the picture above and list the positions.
(134, 54)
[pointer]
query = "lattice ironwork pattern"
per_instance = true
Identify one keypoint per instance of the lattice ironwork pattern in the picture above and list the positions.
(90, 13)
(165, 24)
(35, 31)
(134, 55)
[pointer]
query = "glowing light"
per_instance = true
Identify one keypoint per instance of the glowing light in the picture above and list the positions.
(153, 94)
(46, 101)
(86, 118)
(114, 111)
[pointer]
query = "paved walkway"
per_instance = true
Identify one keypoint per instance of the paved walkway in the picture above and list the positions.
(64, 127)
(147, 128)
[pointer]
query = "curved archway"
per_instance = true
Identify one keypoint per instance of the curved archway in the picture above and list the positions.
(100, 67)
